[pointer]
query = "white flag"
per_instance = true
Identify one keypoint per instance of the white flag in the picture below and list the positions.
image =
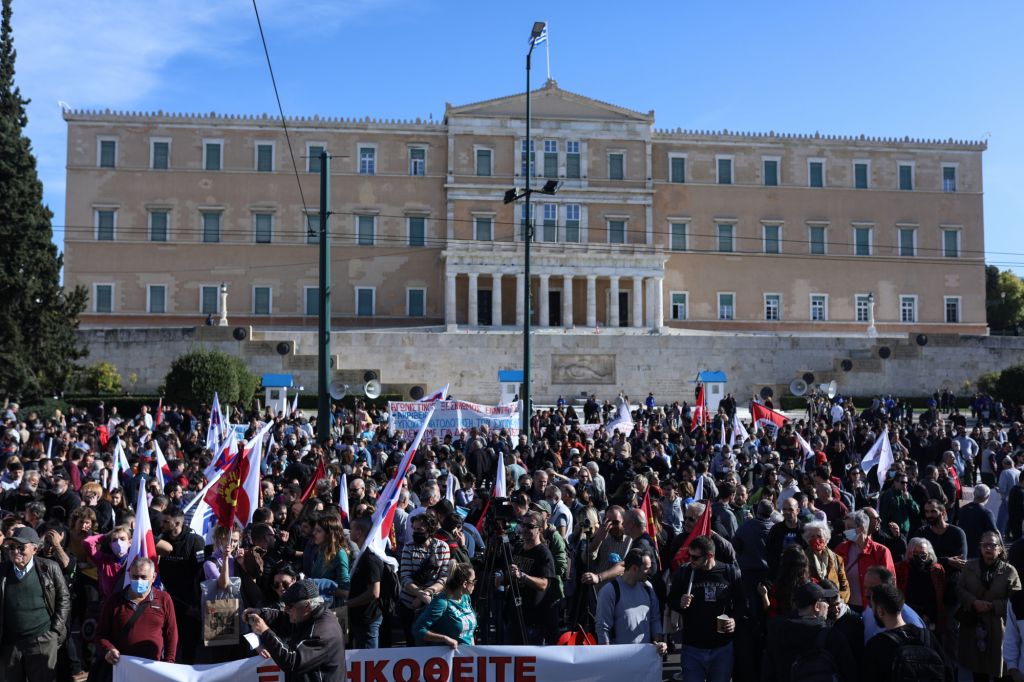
(880, 454)
(450, 487)
(805, 446)
(698, 490)
(622, 421)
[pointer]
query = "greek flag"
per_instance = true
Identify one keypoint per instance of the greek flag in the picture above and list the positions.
(542, 38)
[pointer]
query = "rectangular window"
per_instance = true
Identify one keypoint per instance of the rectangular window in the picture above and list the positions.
(862, 303)
(103, 301)
(616, 166)
(550, 227)
(860, 175)
(312, 228)
(522, 159)
(417, 230)
(949, 178)
(862, 241)
(158, 221)
(816, 173)
(816, 237)
(677, 169)
(678, 236)
(264, 228)
(908, 309)
(482, 229)
(772, 238)
(365, 230)
(908, 239)
(264, 157)
(261, 300)
(724, 170)
(367, 161)
(160, 155)
(771, 172)
(211, 156)
(416, 302)
(951, 243)
(156, 299)
(616, 231)
(107, 153)
(726, 234)
(106, 221)
(678, 305)
(572, 223)
(483, 162)
(772, 307)
(208, 298)
(906, 176)
(311, 301)
(550, 158)
(952, 309)
(572, 159)
(417, 161)
(211, 227)
(364, 302)
(819, 307)
(313, 153)
(727, 306)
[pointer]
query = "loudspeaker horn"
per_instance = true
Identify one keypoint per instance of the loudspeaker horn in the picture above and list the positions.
(831, 389)
(372, 389)
(338, 389)
(798, 387)
(767, 392)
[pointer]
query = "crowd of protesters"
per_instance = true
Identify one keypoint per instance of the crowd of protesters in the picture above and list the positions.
(753, 552)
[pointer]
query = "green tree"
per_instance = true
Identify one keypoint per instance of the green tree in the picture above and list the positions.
(196, 376)
(38, 319)
(1010, 386)
(101, 377)
(1004, 294)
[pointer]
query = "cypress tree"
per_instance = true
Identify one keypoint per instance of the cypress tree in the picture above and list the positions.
(38, 319)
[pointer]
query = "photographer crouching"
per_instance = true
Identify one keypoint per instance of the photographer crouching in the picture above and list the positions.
(315, 649)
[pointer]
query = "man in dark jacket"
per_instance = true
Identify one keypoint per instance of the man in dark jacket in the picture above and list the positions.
(34, 608)
(801, 644)
(315, 649)
(750, 543)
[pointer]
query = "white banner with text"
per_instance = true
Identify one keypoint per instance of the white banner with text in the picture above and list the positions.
(451, 417)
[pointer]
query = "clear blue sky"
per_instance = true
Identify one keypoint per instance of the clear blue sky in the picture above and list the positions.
(937, 69)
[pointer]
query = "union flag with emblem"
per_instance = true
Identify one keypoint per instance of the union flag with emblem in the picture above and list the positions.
(236, 492)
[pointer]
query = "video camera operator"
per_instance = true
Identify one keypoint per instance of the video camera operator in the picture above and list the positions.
(533, 570)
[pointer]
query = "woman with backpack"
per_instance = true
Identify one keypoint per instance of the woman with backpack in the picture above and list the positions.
(985, 587)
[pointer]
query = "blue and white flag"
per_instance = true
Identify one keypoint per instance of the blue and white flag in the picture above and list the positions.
(542, 38)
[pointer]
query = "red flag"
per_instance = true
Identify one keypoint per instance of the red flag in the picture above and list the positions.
(223, 495)
(703, 527)
(648, 511)
(159, 411)
(321, 471)
(700, 410)
(759, 414)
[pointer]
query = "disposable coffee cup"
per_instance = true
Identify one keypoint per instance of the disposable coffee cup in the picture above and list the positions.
(721, 622)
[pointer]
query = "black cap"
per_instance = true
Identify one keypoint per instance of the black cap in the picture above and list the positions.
(24, 536)
(809, 594)
(60, 474)
(300, 591)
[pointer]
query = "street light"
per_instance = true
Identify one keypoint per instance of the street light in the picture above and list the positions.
(550, 187)
(872, 332)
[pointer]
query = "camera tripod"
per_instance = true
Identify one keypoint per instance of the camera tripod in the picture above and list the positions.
(498, 557)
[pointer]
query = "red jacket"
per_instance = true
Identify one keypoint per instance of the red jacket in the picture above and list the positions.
(154, 635)
(873, 554)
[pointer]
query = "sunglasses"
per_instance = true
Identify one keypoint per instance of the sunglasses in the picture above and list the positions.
(281, 583)
(22, 549)
(528, 525)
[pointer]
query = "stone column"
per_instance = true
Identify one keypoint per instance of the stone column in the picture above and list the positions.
(496, 300)
(449, 299)
(613, 301)
(543, 317)
(591, 301)
(520, 304)
(567, 301)
(638, 301)
(659, 302)
(472, 322)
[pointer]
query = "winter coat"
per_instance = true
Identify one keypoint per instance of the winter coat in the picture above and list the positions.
(989, 626)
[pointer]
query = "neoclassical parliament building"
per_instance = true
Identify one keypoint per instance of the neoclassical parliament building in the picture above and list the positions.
(649, 229)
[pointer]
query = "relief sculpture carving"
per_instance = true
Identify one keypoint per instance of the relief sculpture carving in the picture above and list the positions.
(583, 369)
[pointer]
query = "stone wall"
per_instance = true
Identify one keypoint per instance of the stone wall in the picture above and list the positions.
(603, 363)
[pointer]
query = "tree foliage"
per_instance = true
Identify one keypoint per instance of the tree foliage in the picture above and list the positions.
(100, 378)
(1004, 293)
(38, 319)
(1010, 386)
(196, 376)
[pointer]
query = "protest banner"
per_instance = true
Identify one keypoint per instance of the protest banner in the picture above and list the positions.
(635, 662)
(451, 417)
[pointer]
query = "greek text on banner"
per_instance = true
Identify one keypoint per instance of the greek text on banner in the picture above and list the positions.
(451, 417)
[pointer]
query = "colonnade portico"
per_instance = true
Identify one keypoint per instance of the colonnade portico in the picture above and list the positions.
(632, 284)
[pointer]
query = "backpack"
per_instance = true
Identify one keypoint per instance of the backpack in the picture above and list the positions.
(816, 664)
(915, 660)
(390, 589)
(618, 595)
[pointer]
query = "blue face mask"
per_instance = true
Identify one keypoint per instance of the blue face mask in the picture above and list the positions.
(140, 586)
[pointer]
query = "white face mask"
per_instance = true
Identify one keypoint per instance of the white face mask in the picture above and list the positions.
(120, 547)
(850, 534)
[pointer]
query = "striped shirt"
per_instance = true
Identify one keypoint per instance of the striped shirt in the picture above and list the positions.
(423, 566)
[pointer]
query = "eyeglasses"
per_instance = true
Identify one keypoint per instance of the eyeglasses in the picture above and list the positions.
(22, 549)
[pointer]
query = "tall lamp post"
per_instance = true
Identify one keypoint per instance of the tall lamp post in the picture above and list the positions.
(323, 373)
(550, 187)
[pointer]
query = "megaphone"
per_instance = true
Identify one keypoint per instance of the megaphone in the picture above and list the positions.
(831, 389)
(372, 389)
(798, 387)
(338, 389)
